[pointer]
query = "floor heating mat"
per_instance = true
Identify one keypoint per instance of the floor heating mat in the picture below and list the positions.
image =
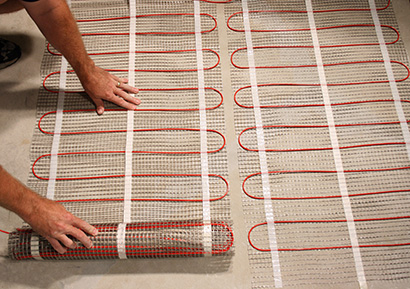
(322, 110)
(154, 180)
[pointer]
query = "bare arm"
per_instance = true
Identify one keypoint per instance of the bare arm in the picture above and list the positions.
(54, 19)
(48, 218)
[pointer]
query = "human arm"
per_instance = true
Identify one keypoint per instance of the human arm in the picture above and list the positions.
(54, 19)
(46, 217)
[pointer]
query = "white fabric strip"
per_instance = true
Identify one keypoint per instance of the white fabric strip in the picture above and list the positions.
(130, 117)
(121, 229)
(34, 242)
(35, 247)
(390, 75)
(336, 151)
(206, 206)
(57, 130)
(57, 127)
(270, 218)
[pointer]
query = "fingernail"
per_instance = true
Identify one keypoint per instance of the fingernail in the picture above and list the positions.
(94, 232)
(100, 110)
(89, 245)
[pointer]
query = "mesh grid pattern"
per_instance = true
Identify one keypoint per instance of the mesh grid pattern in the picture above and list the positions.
(310, 223)
(167, 194)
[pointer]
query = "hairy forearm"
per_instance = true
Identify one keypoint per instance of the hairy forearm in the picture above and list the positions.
(54, 19)
(16, 197)
(46, 217)
(58, 25)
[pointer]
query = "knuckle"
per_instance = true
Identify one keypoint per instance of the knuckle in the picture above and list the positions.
(60, 227)
(68, 217)
(108, 96)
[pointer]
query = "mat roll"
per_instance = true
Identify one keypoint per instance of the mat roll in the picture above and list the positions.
(140, 240)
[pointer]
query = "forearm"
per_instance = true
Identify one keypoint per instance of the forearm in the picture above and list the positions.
(54, 19)
(58, 25)
(46, 217)
(16, 197)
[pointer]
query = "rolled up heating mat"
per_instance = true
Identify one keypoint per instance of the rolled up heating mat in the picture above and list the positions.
(133, 240)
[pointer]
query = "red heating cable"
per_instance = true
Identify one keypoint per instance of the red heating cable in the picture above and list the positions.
(331, 65)
(147, 90)
(320, 126)
(142, 130)
(138, 109)
(148, 33)
(142, 152)
(317, 104)
(223, 195)
(329, 247)
(294, 11)
(115, 70)
(321, 172)
(121, 110)
(336, 84)
(150, 52)
(325, 46)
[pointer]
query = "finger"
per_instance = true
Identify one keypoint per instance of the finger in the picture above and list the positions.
(80, 236)
(57, 246)
(128, 97)
(119, 81)
(83, 225)
(121, 102)
(129, 88)
(67, 242)
(116, 78)
(123, 80)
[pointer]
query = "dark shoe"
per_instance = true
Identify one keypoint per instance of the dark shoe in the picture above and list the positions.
(9, 53)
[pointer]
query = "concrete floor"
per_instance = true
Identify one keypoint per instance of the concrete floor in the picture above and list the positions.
(18, 92)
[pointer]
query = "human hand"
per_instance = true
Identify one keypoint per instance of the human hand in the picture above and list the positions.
(101, 85)
(55, 223)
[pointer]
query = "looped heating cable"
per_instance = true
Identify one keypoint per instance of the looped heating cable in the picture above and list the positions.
(219, 195)
(330, 65)
(331, 172)
(295, 12)
(318, 127)
(340, 27)
(336, 247)
(144, 17)
(154, 54)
